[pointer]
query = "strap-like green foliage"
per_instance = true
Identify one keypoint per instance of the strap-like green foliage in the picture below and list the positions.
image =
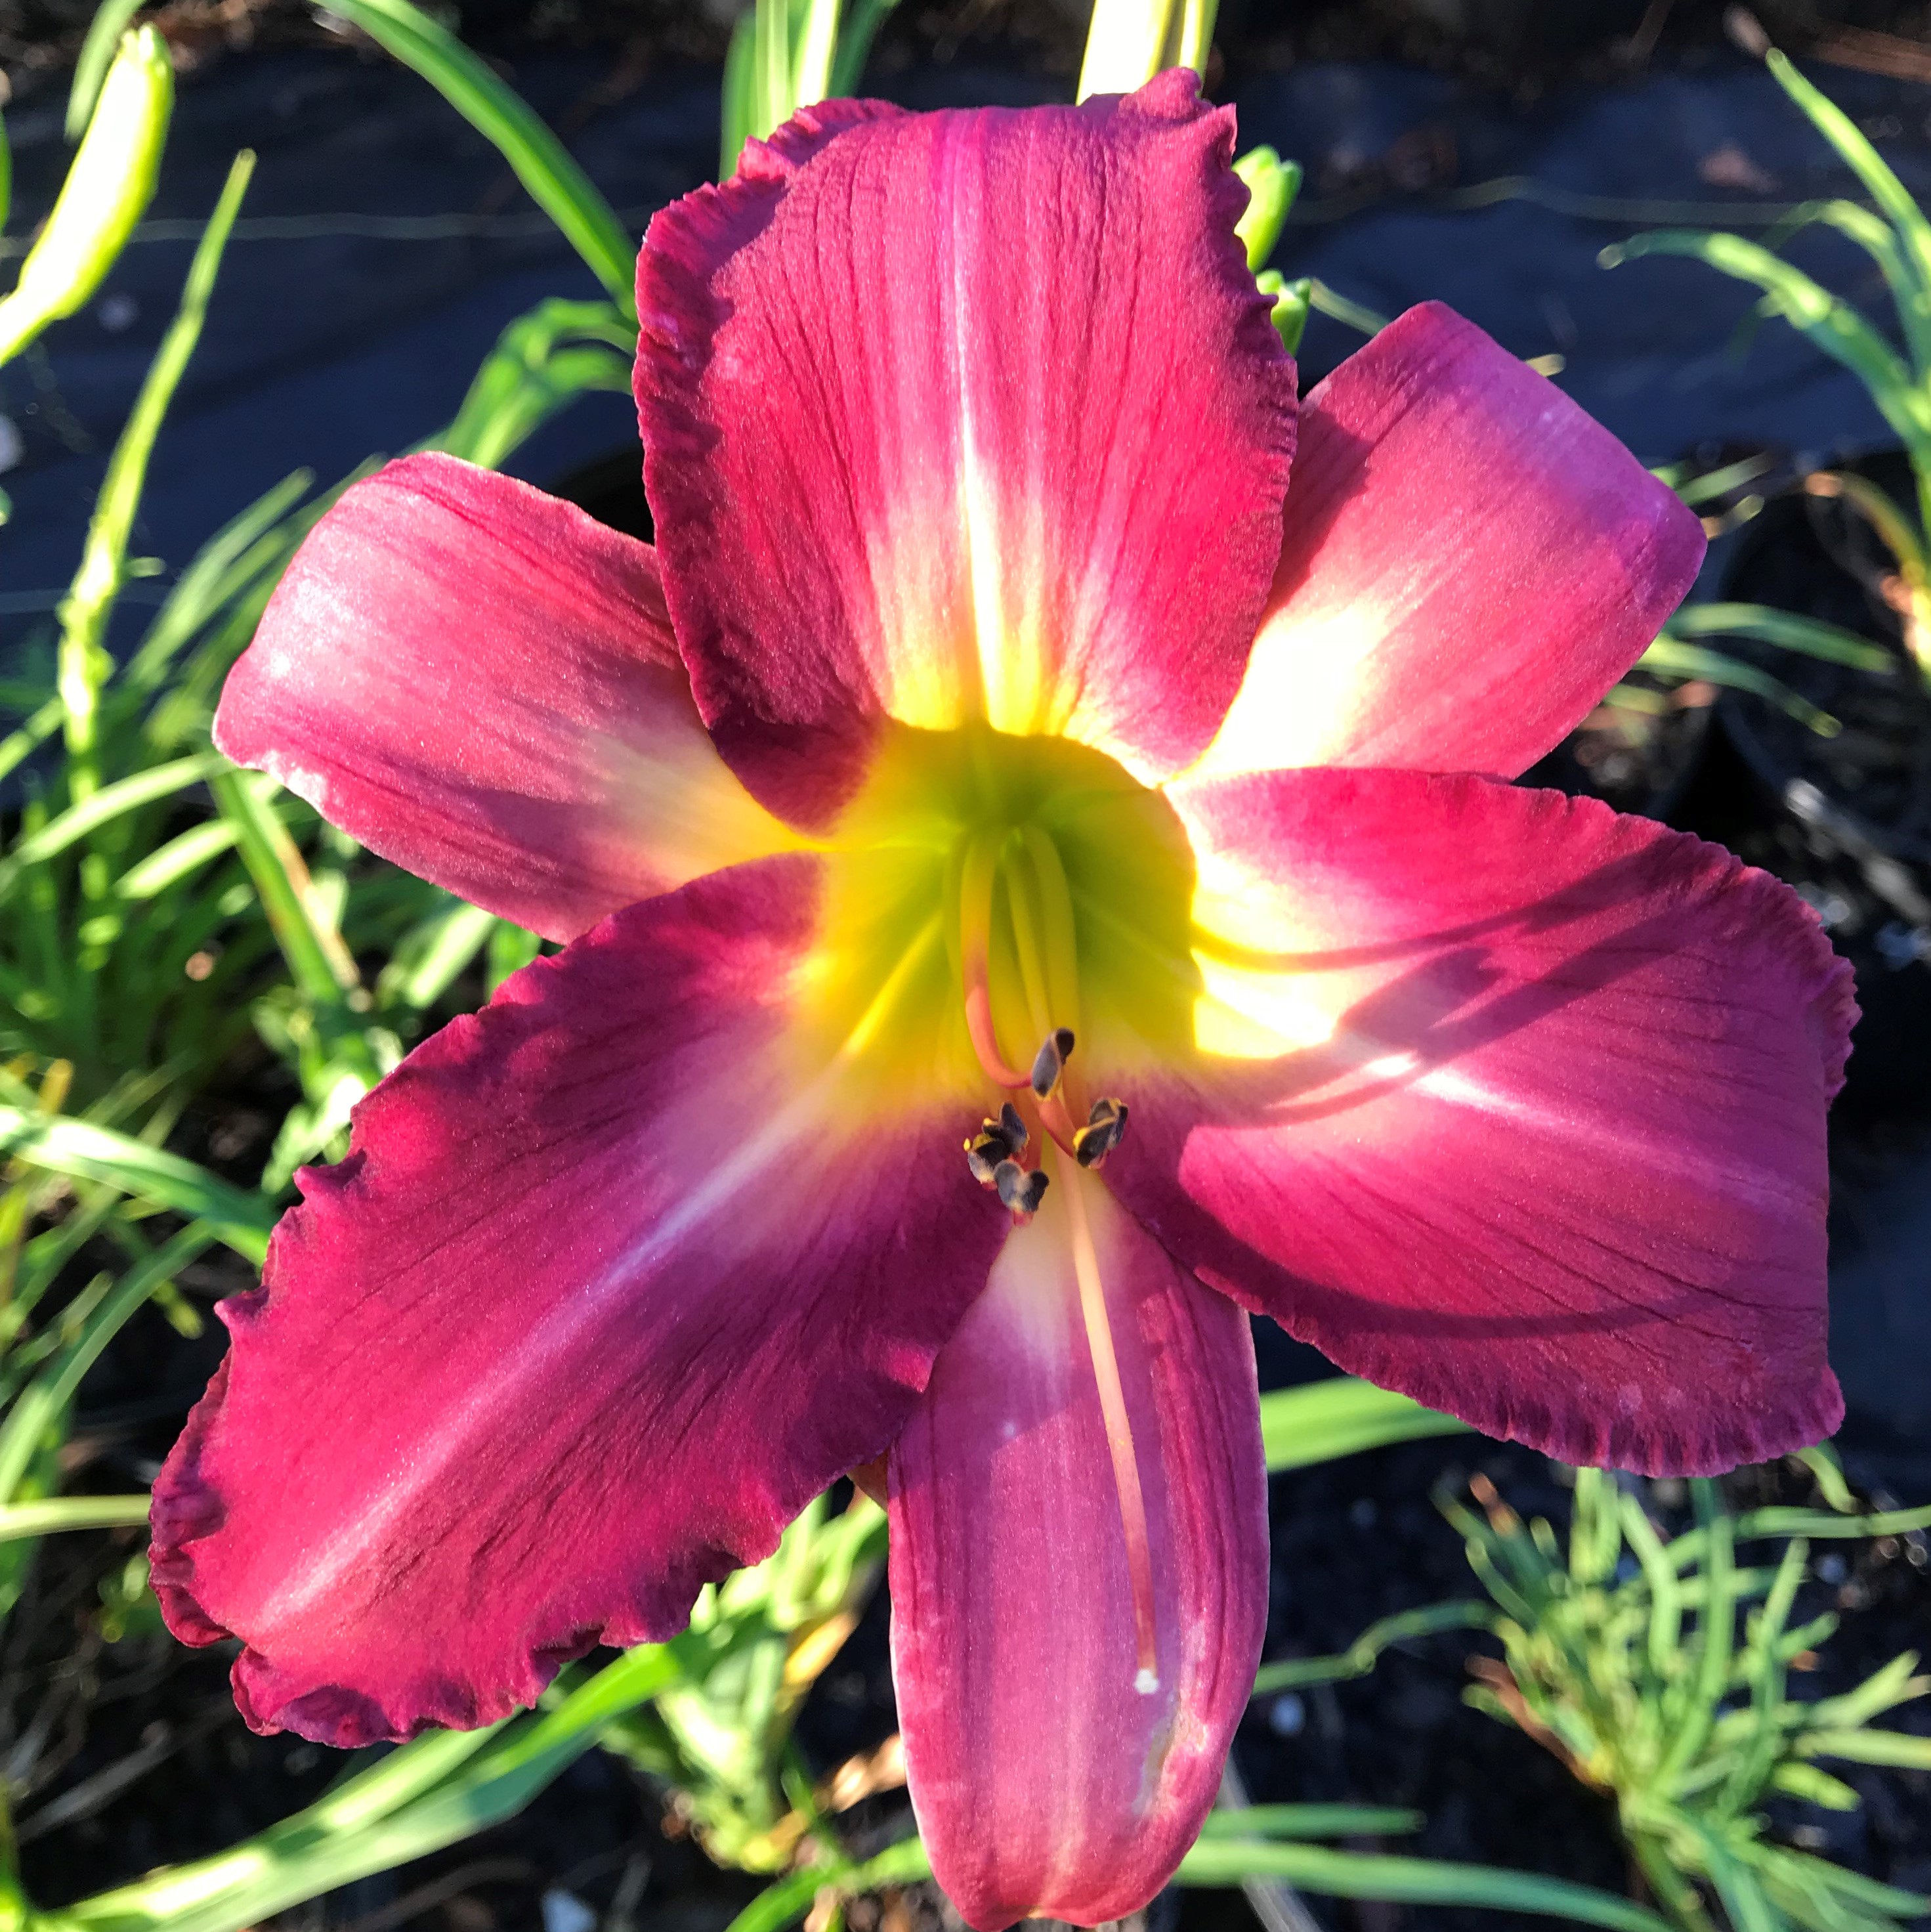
(1658, 1672)
(556, 183)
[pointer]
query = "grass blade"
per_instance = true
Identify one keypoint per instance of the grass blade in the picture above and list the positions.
(1765, 624)
(557, 181)
(1311, 1821)
(96, 809)
(84, 1152)
(1893, 198)
(49, 1515)
(1337, 1874)
(1833, 326)
(442, 1787)
(1324, 1419)
(1671, 657)
(1360, 1656)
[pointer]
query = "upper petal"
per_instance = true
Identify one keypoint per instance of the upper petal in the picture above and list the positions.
(610, 1284)
(1511, 1103)
(1470, 561)
(479, 681)
(1044, 1781)
(959, 415)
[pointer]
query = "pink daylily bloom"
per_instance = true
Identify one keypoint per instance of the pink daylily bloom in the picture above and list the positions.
(989, 679)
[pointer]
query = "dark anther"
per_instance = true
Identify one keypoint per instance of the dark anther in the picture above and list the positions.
(1055, 1050)
(996, 1141)
(1105, 1128)
(1020, 1191)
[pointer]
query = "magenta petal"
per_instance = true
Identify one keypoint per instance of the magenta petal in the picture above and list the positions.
(1511, 1103)
(480, 682)
(963, 415)
(1470, 561)
(607, 1287)
(1043, 1781)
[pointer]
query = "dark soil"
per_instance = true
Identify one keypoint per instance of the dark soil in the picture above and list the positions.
(1864, 864)
(1815, 557)
(1516, 47)
(1636, 760)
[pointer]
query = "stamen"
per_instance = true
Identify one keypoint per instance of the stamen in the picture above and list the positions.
(996, 1141)
(1021, 1189)
(1119, 1431)
(975, 881)
(1050, 1062)
(1105, 1129)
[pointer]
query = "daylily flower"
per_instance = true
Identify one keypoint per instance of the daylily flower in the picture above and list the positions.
(994, 729)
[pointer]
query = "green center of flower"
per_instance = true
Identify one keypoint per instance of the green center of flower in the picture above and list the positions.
(1010, 922)
(988, 891)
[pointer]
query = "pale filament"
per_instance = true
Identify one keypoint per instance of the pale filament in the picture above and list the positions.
(1043, 937)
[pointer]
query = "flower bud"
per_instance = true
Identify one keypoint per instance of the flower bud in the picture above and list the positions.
(1272, 186)
(1129, 41)
(1290, 305)
(107, 189)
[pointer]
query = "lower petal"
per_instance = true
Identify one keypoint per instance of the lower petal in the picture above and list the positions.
(1510, 1103)
(1044, 1781)
(609, 1285)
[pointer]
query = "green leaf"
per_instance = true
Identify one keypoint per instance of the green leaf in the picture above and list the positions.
(1322, 1420)
(1893, 198)
(1784, 1521)
(1864, 1747)
(1766, 625)
(1337, 1874)
(95, 811)
(1834, 326)
(1669, 656)
(444, 1786)
(84, 1152)
(1814, 1786)
(1360, 1656)
(545, 359)
(51, 1514)
(1354, 313)
(167, 866)
(320, 963)
(427, 959)
(222, 567)
(557, 184)
(1310, 1821)
(855, 39)
(40, 1406)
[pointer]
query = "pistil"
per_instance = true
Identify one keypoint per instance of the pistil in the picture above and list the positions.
(1119, 1428)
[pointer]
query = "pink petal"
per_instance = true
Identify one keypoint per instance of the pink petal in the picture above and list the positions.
(480, 682)
(963, 415)
(1044, 1782)
(1511, 1103)
(610, 1284)
(1470, 562)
